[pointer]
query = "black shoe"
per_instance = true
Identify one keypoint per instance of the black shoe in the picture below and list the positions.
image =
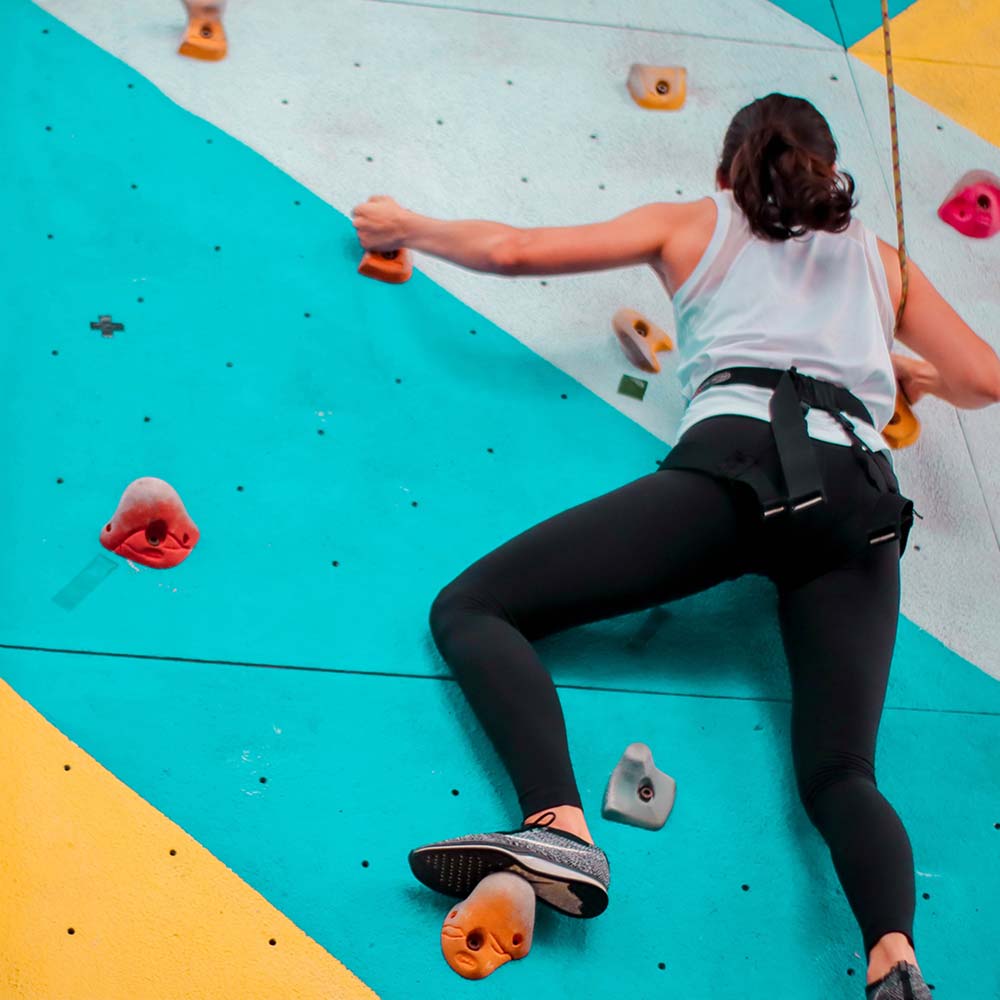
(566, 872)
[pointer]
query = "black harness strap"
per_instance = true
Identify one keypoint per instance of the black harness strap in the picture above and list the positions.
(793, 395)
(798, 460)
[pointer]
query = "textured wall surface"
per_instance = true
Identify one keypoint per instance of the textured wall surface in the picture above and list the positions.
(107, 897)
(347, 447)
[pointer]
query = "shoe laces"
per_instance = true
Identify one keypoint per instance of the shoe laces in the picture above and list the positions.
(544, 821)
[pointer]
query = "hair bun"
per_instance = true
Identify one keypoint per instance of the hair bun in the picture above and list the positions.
(779, 159)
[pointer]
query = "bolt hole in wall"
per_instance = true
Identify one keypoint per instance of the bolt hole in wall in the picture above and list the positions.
(156, 532)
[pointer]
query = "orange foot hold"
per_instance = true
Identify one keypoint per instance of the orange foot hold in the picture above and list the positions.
(151, 525)
(490, 928)
(205, 37)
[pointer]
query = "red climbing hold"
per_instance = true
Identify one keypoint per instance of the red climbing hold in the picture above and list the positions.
(151, 525)
(973, 205)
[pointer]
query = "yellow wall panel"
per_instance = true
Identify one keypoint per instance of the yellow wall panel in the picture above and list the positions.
(956, 91)
(80, 850)
(947, 53)
(954, 31)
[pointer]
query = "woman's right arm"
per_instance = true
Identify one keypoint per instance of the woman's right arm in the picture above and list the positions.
(968, 369)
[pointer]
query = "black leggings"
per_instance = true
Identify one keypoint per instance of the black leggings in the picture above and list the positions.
(670, 534)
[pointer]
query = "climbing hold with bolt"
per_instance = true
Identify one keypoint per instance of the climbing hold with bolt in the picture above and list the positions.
(973, 205)
(491, 927)
(660, 88)
(638, 793)
(392, 266)
(640, 339)
(151, 525)
(204, 37)
(904, 427)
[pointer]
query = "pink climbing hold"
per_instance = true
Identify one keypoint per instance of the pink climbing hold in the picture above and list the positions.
(151, 525)
(973, 205)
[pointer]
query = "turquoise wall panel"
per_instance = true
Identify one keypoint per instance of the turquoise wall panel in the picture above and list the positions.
(363, 768)
(844, 21)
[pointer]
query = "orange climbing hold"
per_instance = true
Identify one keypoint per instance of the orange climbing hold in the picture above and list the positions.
(491, 928)
(661, 88)
(151, 525)
(904, 428)
(205, 37)
(393, 266)
(640, 339)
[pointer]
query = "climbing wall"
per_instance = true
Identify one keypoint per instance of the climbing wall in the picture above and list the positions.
(259, 735)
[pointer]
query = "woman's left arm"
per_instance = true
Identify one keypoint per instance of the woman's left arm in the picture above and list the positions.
(632, 239)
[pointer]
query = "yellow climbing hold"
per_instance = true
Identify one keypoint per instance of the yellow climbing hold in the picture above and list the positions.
(662, 88)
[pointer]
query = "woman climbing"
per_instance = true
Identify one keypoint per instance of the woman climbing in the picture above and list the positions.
(784, 308)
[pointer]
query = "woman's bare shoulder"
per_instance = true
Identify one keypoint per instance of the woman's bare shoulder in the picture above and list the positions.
(691, 229)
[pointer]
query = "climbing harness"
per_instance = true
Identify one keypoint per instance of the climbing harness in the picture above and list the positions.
(793, 395)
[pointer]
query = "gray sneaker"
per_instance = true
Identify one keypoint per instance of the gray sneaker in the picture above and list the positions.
(903, 982)
(566, 872)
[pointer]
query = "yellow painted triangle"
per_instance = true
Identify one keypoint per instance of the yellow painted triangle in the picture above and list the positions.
(953, 31)
(946, 53)
(96, 907)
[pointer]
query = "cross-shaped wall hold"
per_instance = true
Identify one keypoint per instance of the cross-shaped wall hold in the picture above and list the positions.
(106, 326)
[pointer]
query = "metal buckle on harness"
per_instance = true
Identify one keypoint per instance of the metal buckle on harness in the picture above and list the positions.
(771, 511)
(811, 500)
(883, 538)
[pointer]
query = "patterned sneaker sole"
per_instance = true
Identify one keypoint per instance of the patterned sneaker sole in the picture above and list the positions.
(456, 870)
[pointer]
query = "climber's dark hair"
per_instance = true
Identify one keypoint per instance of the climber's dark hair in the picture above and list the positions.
(779, 159)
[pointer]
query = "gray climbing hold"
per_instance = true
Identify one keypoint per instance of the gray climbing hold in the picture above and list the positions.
(638, 793)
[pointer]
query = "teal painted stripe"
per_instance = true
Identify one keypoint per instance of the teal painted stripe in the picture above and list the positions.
(364, 768)
(843, 21)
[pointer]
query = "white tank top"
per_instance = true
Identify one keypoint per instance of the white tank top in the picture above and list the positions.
(820, 303)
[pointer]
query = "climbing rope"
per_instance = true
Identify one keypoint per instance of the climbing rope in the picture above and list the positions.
(896, 173)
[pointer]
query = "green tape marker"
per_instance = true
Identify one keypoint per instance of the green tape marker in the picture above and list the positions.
(85, 582)
(632, 386)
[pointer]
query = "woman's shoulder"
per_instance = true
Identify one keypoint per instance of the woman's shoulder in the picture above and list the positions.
(691, 231)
